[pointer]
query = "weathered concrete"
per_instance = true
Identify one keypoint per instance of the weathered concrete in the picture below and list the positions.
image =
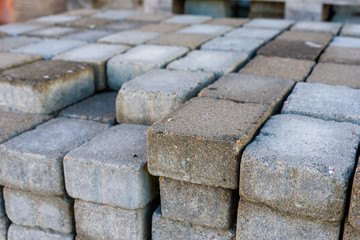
(149, 17)
(351, 30)
(100, 108)
(257, 221)
(122, 26)
(52, 32)
(131, 37)
(187, 19)
(217, 62)
(267, 23)
(212, 207)
(4, 225)
(43, 87)
(102, 172)
(164, 229)
(33, 160)
(46, 47)
(278, 67)
(350, 42)
(96, 55)
(190, 40)
(312, 38)
(96, 221)
(9, 43)
(341, 55)
(350, 233)
(206, 29)
(17, 232)
(258, 33)
(55, 19)
(354, 211)
(89, 36)
(336, 74)
(140, 60)
(326, 27)
(301, 157)
(116, 14)
(45, 212)
(231, 22)
(162, 27)
(327, 102)
(203, 132)
(149, 97)
(9, 60)
(89, 22)
(18, 28)
(13, 124)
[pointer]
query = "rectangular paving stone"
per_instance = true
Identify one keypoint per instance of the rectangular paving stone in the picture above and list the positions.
(88, 22)
(44, 87)
(18, 28)
(46, 47)
(351, 30)
(350, 233)
(190, 40)
(326, 27)
(33, 161)
(55, 19)
(116, 14)
(149, 97)
(296, 166)
(312, 38)
(162, 27)
(279, 67)
(354, 210)
(206, 29)
(45, 212)
(96, 55)
(140, 60)
(9, 43)
(52, 32)
(336, 103)
(341, 55)
(212, 207)
(89, 36)
(345, 42)
(336, 74)
(150, 17)
(131, 37)
(122, 26)
(217, 62)
(257, 221)
(187, 19)
(163, 229)
(9, 60)
(17, 232)
(231, 22)
(269, 23)
(96, 221)
(100, 108)
(117, 175)
(81, 12)
(203, 132)
(258, 33)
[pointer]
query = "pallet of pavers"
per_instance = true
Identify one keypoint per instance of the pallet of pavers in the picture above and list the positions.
(116, 124)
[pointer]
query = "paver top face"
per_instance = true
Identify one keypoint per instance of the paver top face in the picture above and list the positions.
(258, 33)
(122, 26)
(56, 19)
(131, 37)
(269, 23)
(324, 101)
(90, 22)
(9, 43)
(81, 12)
(88, 35)
(312, 38)
(162, 27)
(116, 14)
(351, 30)
(278, 67)
(52, 32)
(346, 42)
(246, 45)
(341, 55)
(206, 29)
(149, 17)
(231, 22)
(187, 19)
(190, 40)
(326, 27)
(18, 28)
(9, 60)
(245, 88)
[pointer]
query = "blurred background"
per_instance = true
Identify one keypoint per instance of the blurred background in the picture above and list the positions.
(327, 10)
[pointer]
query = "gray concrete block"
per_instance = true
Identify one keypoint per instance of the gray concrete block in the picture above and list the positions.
(44, 87)
(116, 14)
(327, 102)
(164, 229)
(9, 60)
(257, 221)
(102, 172)
(131, 37)
(88, 22)
(187, 19)
(140, 60)
(212, 207)
(81, 12)
(96, 55)
(207, 29)
(267, 23)
(89, 36)
(258, 33)
(312, 38)
(204, 132)
(150, 17)
(46, 48)
(350, 233)
(341, 55)
(351, 30)
(326, 27)
(96, 221)
(18, 28)
(54, 19)
(190, 40)
(217, 62)
(4, 226)
(52, 32)
(231, 22)
(17, 232)
(149, 97)
(9, 43)
(301, 157)
(122, 26)
(162, 27)
(33, 160)
(348, 42)
(45, 212)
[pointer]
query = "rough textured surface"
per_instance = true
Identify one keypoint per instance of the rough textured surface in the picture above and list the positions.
(350, 233)
(217, 62)
(52, 32)
(45, 86)
(341, 55)
(89, 36)
(17, 232)
(33, 160)
(96, 55)
(122, 26)
(12, 123)
(336, 74)
(9, 60)
(206, 29)
(96, 221)
(55, 19)
(162, 27)
(164, 229)
(301, 157)
(190, 40)
(313, 38)
(130, 37)
(337, 103)
(231, 22)
(269, 23)
(116, 14)
(45, 212)
(187, 19)
(325, 27)
(351, 30)
(149, 17)
(102, 172)
(278, 67)
(203, 132)
(89, 22)
(4, 225)
(140, 60)
(9, 43)
(258, 33)
(257, 221)
(18, 28)
(354, 211)
(350, 42)
(212, 207)
(100, 108)
(150, 97)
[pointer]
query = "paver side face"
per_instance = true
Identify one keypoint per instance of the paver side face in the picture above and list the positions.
(257, 221)
(351, 30)
(231, 22)
(32, 210)
(351, 42)
(163, 228)
(326, 27)
(9, 60)
(304, 36)
(162, 27)
(309, 173)
(278, 67)
(17, 232)
(269, 23)
(190, 40)
(187, 19)
(9, 43)
(151, 96)
(203, 132)
(354, 211)
(341, 55)
(33, 160)
(350, 233)
(327, 102)
(258, 33)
